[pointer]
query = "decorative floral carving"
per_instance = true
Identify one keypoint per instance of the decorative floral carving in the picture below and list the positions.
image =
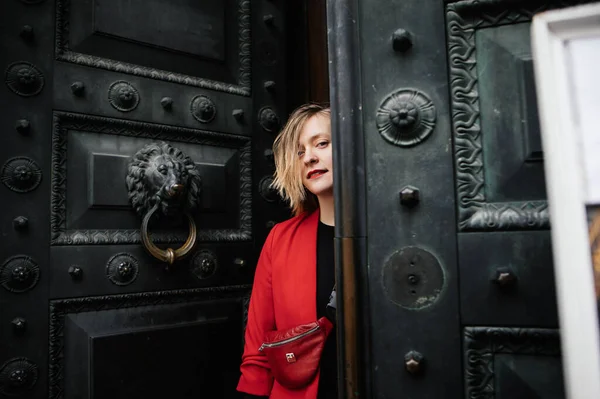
(268, 119)
(21, 174)
(60, 308)
(17, 376)
(19, 273)
(203, 264)
(122, 269)
(406, 117)
(243, 87)
(123, 96)
(63, 122)
(203, 109)
(24, 79)
(464, 18)
(481, 344)
(244, 40)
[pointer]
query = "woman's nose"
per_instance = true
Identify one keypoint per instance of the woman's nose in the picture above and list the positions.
(309, 158)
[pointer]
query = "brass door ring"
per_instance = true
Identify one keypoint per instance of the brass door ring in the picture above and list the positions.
(168, 255)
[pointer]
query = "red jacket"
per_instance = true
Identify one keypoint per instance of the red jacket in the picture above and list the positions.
(284, 295)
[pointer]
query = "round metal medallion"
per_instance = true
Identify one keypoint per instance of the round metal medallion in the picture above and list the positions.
(24, 79)
(17, 376)
(203, 109)
(268, 119)
(123, 96)
(21, 174)
(268, 193)
(406, 117)
(413, 278)
(203, 264)
(122, 269)
(19, 273)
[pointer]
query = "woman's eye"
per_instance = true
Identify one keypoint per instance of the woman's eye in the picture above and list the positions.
(300, 153)
(322, 144)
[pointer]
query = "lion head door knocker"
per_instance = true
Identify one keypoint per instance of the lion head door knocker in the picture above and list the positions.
(162, 180)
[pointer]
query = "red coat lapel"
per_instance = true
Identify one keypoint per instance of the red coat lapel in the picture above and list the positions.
(298, 277)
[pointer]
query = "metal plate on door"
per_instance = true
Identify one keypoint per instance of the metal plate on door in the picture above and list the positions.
(413, 278)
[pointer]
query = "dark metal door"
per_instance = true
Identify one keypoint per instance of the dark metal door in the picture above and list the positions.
(86, 311)
(461, 299)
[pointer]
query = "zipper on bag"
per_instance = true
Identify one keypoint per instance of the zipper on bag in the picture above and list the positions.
(286, 341)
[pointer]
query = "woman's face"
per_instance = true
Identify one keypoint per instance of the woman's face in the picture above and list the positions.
(314, 155)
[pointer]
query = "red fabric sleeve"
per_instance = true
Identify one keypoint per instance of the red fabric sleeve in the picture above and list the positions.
(256, 376)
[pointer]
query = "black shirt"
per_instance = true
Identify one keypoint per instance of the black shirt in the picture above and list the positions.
(325, 283)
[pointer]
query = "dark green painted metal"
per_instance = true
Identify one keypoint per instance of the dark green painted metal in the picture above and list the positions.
(468, 138)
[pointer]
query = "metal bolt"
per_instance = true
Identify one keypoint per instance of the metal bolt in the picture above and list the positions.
(26, 32)
(413, 362)
(19, 325)
(413, 279)
(207, 266)
(238, 114)
(23, 126)
(401, 40)
(20, 223)
(166, 102)
(269, 85)
(78, 88)
(239, 262)
(269, 156)
(505, 277)
(21, 274)
(76, 272)
(409, 196)
(18, 378)
(125, 269)
(269, 19)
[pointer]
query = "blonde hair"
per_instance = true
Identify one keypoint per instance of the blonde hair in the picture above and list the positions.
(287, 178)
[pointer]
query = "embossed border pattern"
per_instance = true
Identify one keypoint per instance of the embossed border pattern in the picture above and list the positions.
(482, 343)
(463, 19)
(60, 308)
(63, 122)
(243, 88)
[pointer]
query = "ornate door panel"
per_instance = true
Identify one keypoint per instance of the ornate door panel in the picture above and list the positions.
(460, 270)
(106, 105)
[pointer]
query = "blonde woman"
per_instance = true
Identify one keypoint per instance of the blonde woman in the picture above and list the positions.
(295, 272)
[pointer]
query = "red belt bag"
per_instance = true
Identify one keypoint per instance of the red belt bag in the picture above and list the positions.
(294, 354)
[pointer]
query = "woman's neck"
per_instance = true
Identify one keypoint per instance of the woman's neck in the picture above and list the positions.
(326, 209)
